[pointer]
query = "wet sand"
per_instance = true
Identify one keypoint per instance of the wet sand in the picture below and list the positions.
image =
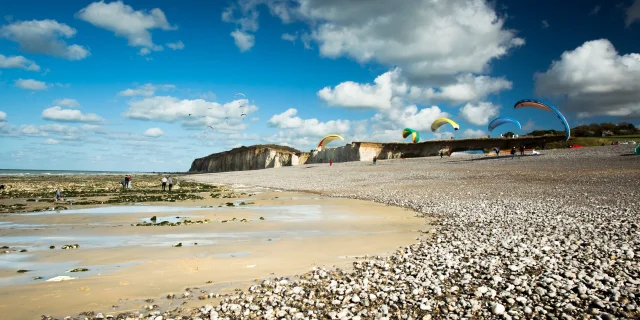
(128, 264)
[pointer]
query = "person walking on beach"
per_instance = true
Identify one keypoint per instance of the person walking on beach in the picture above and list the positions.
(374, 159)
(513, 152)
(330, 162)
(441, 153)
(170, 181)
(522, 150)
(130, 183)
(164, 183)
(59, 195)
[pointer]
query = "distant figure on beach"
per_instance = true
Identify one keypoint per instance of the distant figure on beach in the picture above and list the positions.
(522, 150)
(543, 143)
(441, 153)
(123, 183)
(374, 159)
(58, 195)
(1, 186)
(170, 181)
(330, 162)
(513, 152)
(497, 150)
(164, 183)
(130, 183)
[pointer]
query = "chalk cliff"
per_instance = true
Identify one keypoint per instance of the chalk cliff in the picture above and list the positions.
(246, 158)
(274, 156)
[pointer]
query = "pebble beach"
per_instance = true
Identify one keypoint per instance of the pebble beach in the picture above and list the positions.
(553, 236)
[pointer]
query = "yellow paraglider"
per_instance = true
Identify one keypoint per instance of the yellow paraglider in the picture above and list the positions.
(441, 121)
(326, 140)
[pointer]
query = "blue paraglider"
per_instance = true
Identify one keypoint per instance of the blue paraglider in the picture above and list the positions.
(502, 120)
(542, 106)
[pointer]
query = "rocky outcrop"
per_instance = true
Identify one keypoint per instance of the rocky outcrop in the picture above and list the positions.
(247, 158)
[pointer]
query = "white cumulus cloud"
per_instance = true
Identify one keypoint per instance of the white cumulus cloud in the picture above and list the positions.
(124, 21)
(154, 132)
(51, 141)
(67, 102)
(30, 84)
(146, 90)
(594, 79)
(243, 40)
(3, 116)
(390, 89)
(69, 115)
(44, 36)
(466, 88)
(192, 114)
(471, 133)
(378, 96)
(289, 37)
(632, 13)
(176, 45)
(18, 62)
(479, 114)
(426, 38)
(307, 127)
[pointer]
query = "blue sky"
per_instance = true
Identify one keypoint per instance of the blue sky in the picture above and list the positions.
(151, 85)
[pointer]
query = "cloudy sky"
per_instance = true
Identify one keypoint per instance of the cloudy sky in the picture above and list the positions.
(147, 85)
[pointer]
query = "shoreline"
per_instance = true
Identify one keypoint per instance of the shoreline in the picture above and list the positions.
(537, 196)
(514, 238)
(175, 265)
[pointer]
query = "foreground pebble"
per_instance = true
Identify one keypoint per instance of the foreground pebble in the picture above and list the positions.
(549, 237)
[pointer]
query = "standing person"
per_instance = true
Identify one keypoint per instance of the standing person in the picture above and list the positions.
(59, 195)
(170, 181)
(513, 152)
(441, 153)
(130, 183)
(522, 150)
(330, 162)
(164, 183)
(374, 159)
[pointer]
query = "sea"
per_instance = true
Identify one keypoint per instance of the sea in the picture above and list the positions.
(20, 172)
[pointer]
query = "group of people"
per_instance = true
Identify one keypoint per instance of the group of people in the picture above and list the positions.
(514, 151)
(127, 182)
(165, 181)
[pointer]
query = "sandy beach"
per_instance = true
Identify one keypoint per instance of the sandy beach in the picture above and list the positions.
(554, 235)
(254, 235)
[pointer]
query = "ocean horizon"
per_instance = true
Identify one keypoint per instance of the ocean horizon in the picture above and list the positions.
(30, 172)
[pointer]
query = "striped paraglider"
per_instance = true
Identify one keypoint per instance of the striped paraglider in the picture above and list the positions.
(527, 103)
(415, 136)
(326, 140)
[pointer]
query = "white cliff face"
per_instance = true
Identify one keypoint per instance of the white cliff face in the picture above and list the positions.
(240, 159)
(272, 156)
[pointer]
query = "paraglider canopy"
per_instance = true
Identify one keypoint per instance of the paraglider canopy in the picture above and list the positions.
(542, 106)
(441, 121)
(638, 150)
(502, 120)
(415, 136)
(326, 140)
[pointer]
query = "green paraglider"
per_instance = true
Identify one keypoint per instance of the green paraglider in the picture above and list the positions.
(638, 150)
(415, 136)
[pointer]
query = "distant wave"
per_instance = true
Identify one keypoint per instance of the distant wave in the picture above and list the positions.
(17, 172)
